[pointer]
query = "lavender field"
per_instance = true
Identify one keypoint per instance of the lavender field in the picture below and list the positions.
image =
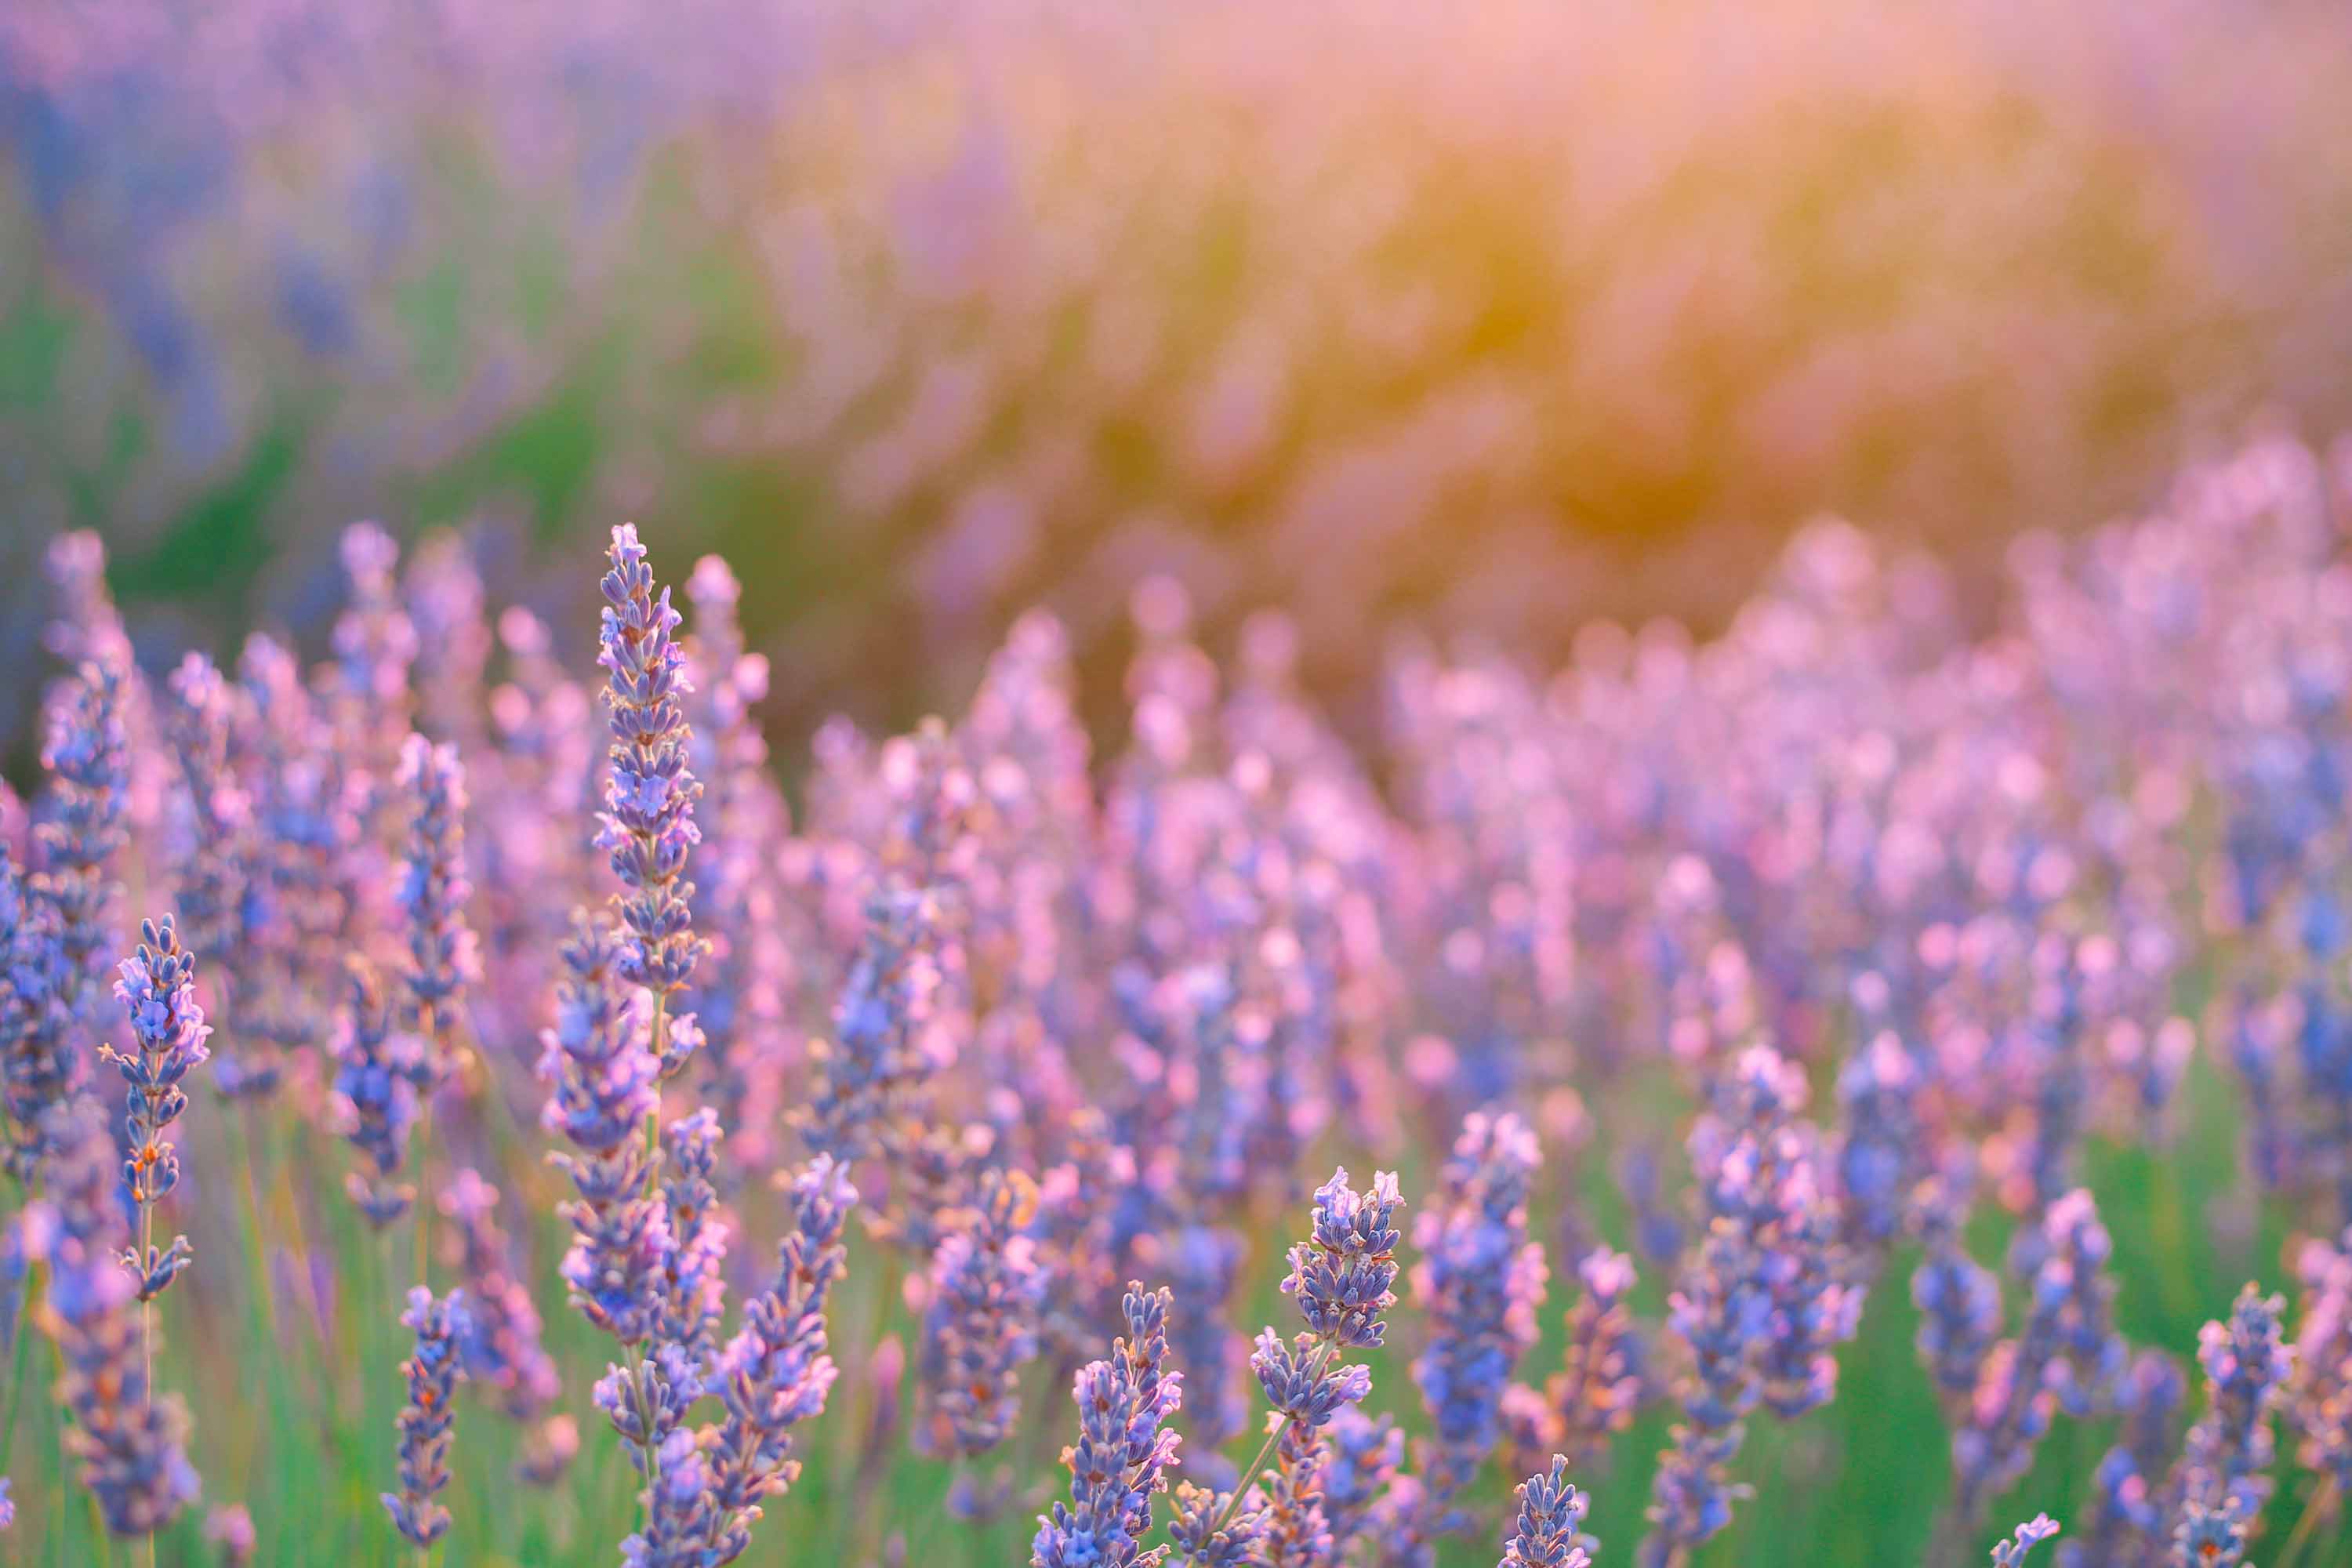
(1238, 867)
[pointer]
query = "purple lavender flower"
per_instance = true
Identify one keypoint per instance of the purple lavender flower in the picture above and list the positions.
(1202, 1262)
(981, 1326)
(132, 1442)
(2024, 1381)
(1123, 1452)
(1341, 1277)
(1481, 1283)
(867, 1073)
(433, 1373)
(432, 893)
(647, 1401)
(741, 985)
(1296, 1533)
(229, 1529)
(601, 1075)
(379, 1074)
(648, 817)
(1958, 1299)
(1592, 1397)
(694, 1288)
(1343, 1273)
(2320, 1406)
(1545, 1533)
(304, 831)
(775, 1372)
(213, 902)
(680, 1518)
(2209, 1537)
(36, 1048)
(2012, 1552)
(224, 908)
(158, 988)
(1760, 1303)
(1881, 1156)
(2123, 1520)
(88, 762)
(7, 1506)
(1366, 1455)
(1214, 1530)
(500, 1342)
(2226, 1460)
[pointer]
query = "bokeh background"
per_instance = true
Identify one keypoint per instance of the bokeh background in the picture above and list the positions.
(1491, 317)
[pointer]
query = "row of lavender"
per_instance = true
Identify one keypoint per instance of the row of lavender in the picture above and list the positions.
(1061, 1055)
(1005, 300)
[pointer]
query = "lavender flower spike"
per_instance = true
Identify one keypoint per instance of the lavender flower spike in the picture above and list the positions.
(1482, 1281)
(600, 1072)
(1343, 1273)
(1214, 1530)
(648, 817)
(378, 1074)
(982, 1324)
(2012, 1552)
(1123, 1452)
(424, 1423)
(1545, 1535)
(159, 989)
(133, 1444)
(443, 957)
(2226, 1459)
(1341, 1277)
(776, 1373)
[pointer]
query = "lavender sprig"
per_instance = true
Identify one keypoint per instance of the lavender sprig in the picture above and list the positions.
(131, 1443)
(379, 1074)
(2225, 1462)
(158, 988)
(2012, 1552)
(649, 817)
(1124, 1452)
(36, 1049)
(1342, 1277)
(425, 1421)
(987, 1289)
(1481, 1283)
(443, 957)
(693, 1286)
(776, 1371)
(601, 1073)
(1545, 1535)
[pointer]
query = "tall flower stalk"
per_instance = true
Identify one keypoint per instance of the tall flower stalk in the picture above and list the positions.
(649, 794)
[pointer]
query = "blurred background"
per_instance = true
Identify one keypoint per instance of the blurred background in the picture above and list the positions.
(1483, 318)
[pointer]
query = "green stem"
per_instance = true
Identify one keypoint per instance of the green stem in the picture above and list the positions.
(1241, 1482)
(2320, 1504)
(20, 1374)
